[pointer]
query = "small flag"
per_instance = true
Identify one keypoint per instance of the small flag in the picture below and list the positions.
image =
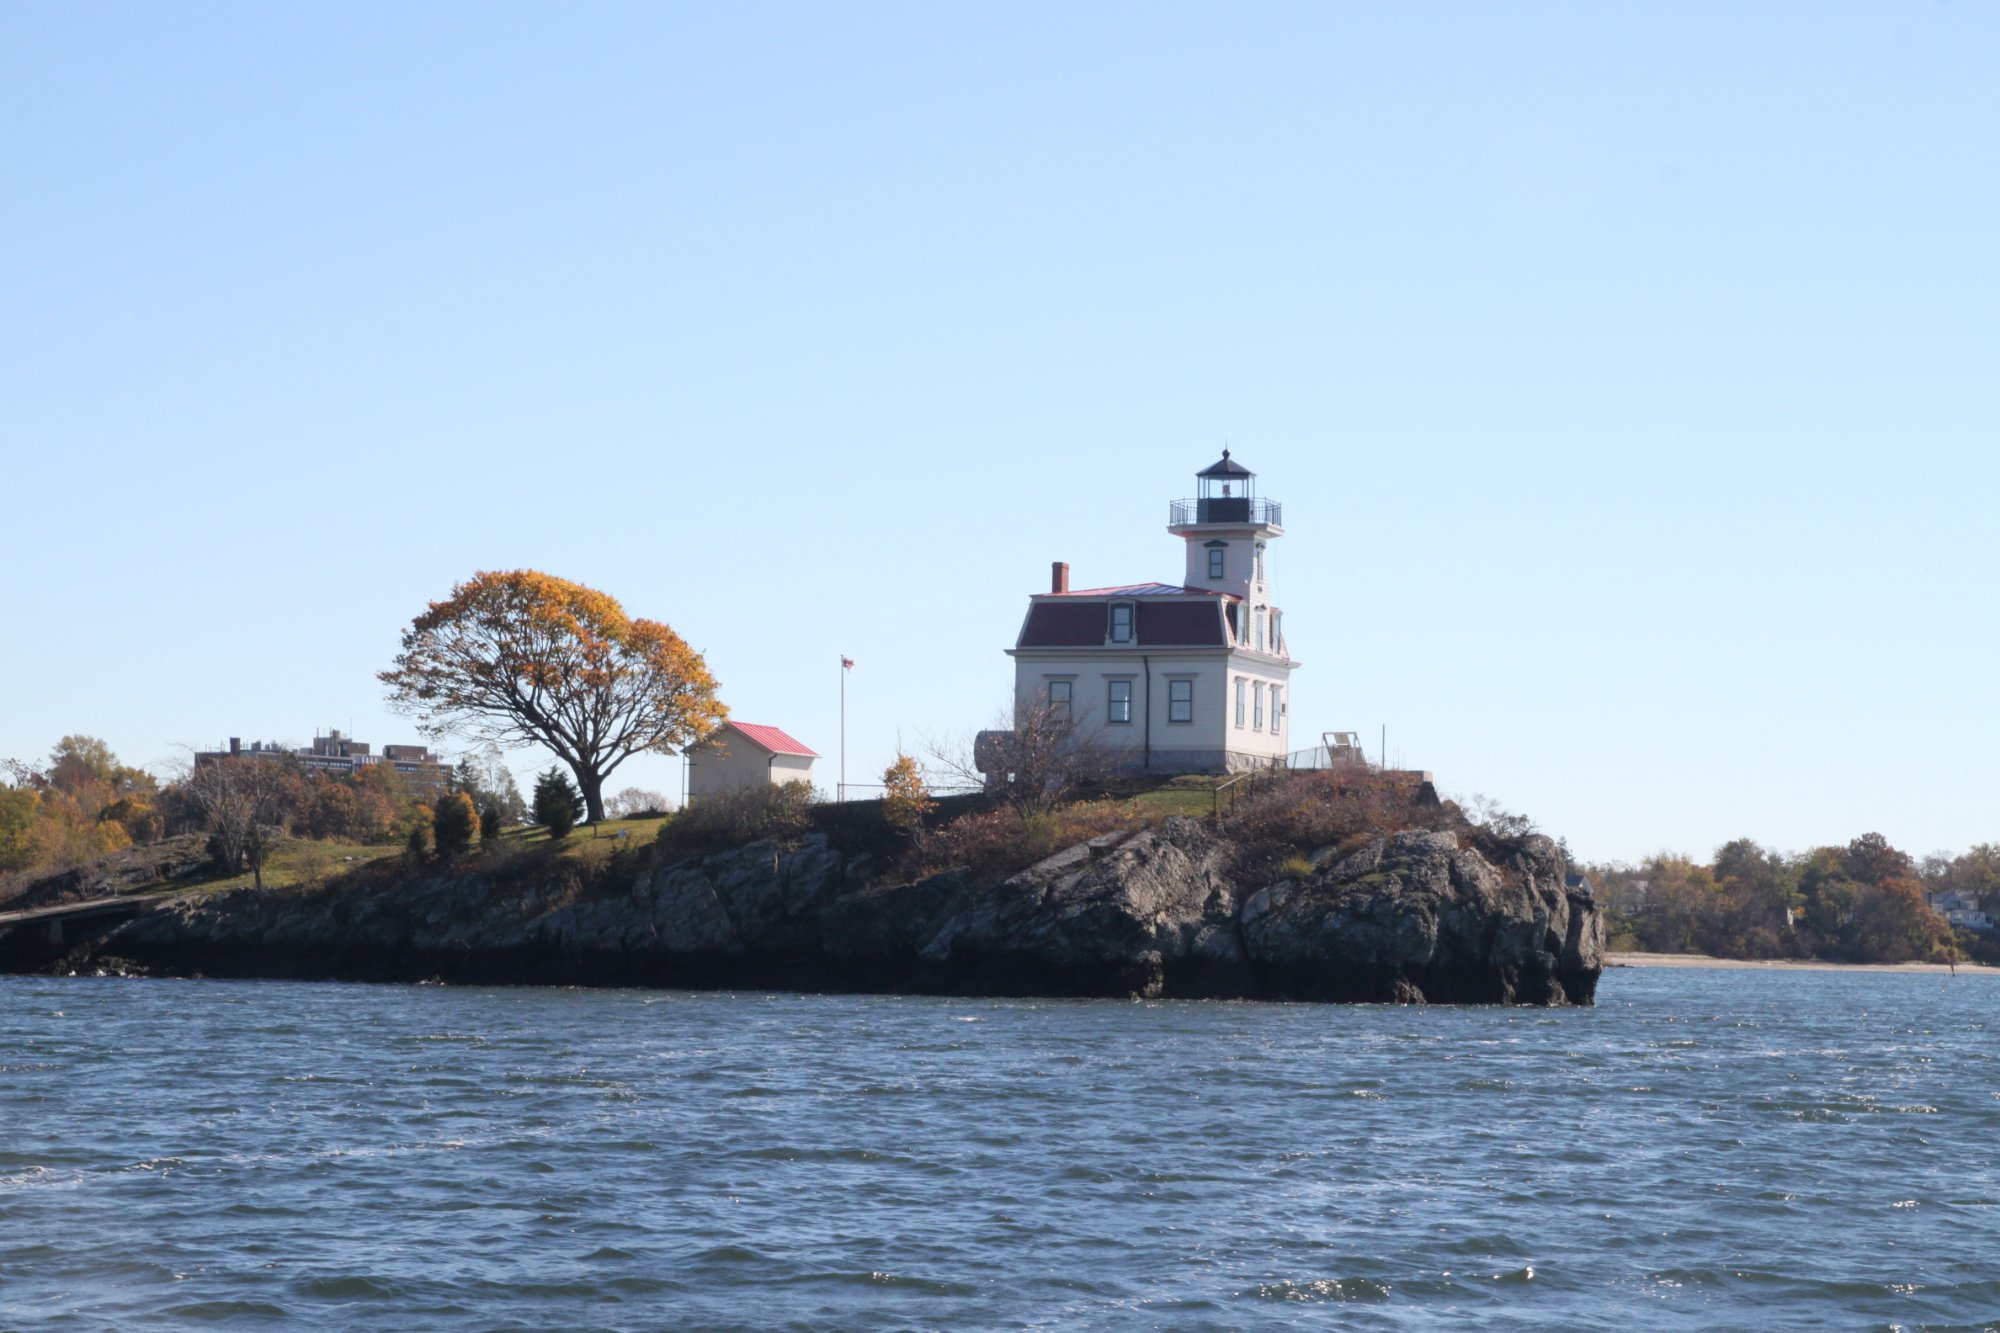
(847, 664)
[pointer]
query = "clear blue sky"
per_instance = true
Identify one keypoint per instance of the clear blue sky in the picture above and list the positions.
(1627, 372)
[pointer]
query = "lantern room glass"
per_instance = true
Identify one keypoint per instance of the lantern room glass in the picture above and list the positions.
(1225, 499)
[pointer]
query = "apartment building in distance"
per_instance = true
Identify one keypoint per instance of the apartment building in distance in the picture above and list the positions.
(341, 756)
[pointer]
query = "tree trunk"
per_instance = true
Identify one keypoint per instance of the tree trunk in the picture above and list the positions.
(592, 787)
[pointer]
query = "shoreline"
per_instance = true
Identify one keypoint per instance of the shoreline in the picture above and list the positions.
(1702, 960)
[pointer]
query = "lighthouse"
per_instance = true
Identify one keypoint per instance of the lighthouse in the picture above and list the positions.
(1192, 676)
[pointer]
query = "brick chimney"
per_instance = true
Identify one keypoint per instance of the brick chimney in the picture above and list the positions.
(1059, 576)
(236, 745)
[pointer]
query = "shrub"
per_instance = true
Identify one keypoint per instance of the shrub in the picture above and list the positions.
(1290, 814)
(492, 820)
(313, 861)
(557, 806)
(998, 842)
(421, 844)
(906, 799)
(737, 818)
(455, 825)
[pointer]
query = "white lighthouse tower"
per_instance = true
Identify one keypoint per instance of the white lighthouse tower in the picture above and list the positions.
(1191, 676)
(1227, 527)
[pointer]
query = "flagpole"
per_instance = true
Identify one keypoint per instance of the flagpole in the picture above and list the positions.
(843, 728)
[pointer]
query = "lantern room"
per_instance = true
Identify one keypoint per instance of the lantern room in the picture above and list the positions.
(1224, 492)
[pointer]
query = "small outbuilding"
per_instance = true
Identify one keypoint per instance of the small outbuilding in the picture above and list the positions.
(745, 754)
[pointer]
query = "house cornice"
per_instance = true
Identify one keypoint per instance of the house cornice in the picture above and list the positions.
(1178, 650)
(1120, 649)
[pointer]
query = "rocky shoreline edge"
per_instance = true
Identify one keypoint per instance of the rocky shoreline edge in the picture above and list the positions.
(1409, 917)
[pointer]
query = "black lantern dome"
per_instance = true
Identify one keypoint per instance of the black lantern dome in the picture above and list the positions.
(1225, 492)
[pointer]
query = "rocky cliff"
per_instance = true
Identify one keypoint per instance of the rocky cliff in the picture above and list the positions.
(1412, 917)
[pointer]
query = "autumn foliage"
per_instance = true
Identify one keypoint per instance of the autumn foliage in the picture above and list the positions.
(81, 804)
(906, 798)
(520, 655)
(998, 841)
(1860, 903)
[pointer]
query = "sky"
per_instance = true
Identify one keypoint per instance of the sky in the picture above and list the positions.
(1626, 371)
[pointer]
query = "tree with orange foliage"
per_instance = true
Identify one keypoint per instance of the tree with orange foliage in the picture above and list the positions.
(519, 655)
(906, 797)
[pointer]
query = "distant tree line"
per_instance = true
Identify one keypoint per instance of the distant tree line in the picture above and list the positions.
(83, 803)
(1864, 902)
(80, 804)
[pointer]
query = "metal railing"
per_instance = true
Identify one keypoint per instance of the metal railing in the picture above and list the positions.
(1226, 509)
(1235, 787)
(1337, 749)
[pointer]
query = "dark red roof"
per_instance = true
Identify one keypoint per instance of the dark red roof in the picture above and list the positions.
(772, 739)
(1126, 590)
(1178, 624)
(1122, 591)
(1065, 623)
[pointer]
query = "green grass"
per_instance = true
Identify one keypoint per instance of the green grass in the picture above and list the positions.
(639, 833)
(297, 861)
(1193, 794)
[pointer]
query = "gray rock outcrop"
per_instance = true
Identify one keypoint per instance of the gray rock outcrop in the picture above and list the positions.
(1417, 916)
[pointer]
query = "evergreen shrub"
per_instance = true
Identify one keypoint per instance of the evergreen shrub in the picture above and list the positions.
(558, 806)
(455, 825)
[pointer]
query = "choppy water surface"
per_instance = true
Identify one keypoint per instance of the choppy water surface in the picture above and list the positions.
(1704, 1148)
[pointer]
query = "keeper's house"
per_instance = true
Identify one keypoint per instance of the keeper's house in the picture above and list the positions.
(1184, 677)
(743, 754)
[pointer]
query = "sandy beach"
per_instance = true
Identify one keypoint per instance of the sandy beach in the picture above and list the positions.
(1786, 964)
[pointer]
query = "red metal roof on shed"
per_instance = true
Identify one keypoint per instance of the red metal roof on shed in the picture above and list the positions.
(772, 739)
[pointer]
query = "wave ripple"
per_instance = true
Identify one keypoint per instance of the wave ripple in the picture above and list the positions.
(1703, 1149)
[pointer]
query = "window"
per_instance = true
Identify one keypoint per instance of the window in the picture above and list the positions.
(1121, 701)
(1215, 562)
(1259, 617)
(1260, 562)
(1059, 701)
(1277, 711)
(1121, 622)
(1258, 689)
(1180, 701)
(1241, 691)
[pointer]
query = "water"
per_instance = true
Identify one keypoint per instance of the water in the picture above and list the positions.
(1703, 1149)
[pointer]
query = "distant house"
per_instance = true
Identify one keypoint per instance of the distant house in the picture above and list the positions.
(1961, 909)
(745, 754)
